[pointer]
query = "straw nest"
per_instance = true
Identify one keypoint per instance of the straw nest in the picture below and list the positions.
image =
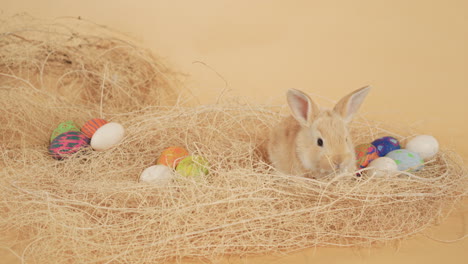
(90, 208)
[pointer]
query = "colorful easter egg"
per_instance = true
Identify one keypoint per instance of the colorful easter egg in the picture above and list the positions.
(385, 144)
(157, 174)
(90, 127)
(63, 127)
(172, 156)
(67, 144)
(425, 145)
(382, 166)
(107, 136)
(365, 153)
(406, 160)
(193, 166)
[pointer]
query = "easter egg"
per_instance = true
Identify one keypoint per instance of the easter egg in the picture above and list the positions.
(382, 166)
(90, 127)
(172, 156)
(385, 144)
(158, 174)
(425, 145)
(107, 136)
(67, 144)
(62, 128)
(406, 160)
(365, 153)
(194, 166)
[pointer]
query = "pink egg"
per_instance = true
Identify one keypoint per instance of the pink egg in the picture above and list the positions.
(67, 144)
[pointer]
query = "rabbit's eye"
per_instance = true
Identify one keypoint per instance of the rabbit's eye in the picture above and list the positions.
(320, 142)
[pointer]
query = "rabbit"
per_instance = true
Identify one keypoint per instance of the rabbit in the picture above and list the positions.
(315, 142)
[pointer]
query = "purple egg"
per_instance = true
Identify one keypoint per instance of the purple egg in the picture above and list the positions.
(67, 144)
(385, 145)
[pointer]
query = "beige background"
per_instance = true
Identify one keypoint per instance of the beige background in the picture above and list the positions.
(414, 54)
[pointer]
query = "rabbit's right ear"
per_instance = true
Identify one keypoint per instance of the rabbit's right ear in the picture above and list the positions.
(302, 107)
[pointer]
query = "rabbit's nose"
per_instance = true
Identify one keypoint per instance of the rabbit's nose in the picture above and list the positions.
(338, 162)
(338, 166)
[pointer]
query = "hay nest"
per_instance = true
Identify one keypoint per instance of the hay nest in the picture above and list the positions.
(90, 208)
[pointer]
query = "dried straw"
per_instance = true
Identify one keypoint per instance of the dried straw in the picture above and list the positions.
(90, 208)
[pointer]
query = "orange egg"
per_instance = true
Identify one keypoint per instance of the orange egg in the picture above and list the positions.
(365, 153)
(90, 127)
(172, 156)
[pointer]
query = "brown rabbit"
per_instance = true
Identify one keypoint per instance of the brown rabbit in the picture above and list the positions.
(314, 142)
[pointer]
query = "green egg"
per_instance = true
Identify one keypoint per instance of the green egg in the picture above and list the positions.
(406, 160)
(193, 166)
(63, 127)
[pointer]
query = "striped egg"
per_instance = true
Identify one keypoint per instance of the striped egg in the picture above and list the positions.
(67, 144)
(90, 127)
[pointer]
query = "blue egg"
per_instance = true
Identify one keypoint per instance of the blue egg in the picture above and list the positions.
(386, 144)
(406, 160)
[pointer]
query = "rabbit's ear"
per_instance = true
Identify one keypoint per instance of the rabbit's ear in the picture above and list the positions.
(350, 104)
(302, 107)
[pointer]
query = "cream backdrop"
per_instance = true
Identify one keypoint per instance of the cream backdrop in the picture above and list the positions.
(414, 54)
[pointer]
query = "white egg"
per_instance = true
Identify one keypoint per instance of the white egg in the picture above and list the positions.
(425, 145)
(159, 174)
(107, 136)
(382, 166)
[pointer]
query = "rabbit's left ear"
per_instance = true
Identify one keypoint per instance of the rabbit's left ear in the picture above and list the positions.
(350, 104)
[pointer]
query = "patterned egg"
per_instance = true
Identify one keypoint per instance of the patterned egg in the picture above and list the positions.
(67, 144)
(365, 153)
(194, 166)
(386, 144)
(425, 145)
(90, 127)
(406, 160)
(63, 127)
(172, 156)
